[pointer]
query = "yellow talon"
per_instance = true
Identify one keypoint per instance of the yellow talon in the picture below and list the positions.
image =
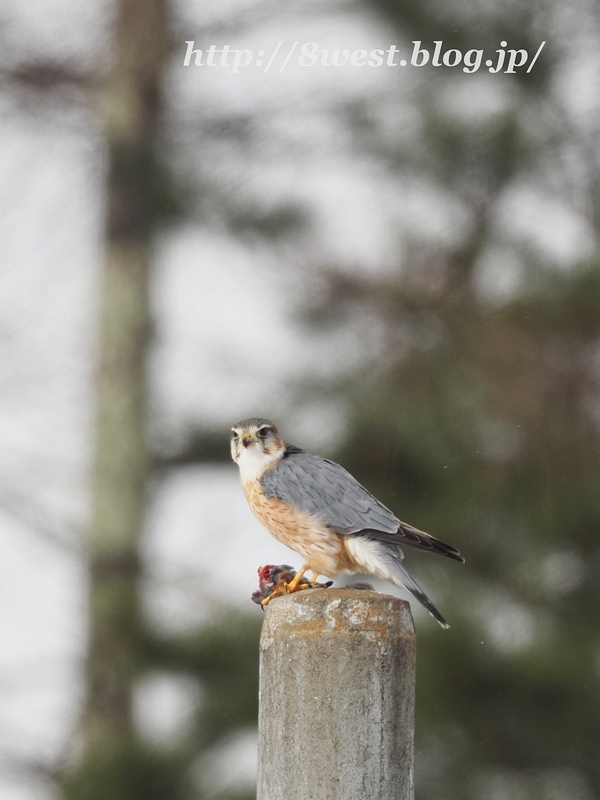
(277, 592)
(292, 586)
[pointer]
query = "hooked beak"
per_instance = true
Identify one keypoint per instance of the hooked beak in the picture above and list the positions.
(247, 439)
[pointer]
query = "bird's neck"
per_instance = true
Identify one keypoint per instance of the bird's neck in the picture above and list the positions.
(254, 462)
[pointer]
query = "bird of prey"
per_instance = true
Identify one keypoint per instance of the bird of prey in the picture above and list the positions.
(315, 507)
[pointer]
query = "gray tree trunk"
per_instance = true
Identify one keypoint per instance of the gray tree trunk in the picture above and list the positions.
(129, 102)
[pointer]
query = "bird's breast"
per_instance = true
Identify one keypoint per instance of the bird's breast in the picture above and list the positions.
(318, 545)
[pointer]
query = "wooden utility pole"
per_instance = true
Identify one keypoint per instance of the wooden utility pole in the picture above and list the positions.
(337, 683)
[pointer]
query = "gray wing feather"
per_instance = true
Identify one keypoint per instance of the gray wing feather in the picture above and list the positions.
(323, 488)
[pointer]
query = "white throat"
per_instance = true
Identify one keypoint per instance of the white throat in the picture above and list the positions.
(253, 461)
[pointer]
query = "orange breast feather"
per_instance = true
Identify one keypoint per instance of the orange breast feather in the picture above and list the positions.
(320, 547)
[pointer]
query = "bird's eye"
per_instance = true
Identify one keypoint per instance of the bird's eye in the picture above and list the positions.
(263, 432)
(234, 435)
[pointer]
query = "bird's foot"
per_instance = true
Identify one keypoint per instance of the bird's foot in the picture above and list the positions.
(277, 580)
(277, 592)
(284, 588)
(296, 582)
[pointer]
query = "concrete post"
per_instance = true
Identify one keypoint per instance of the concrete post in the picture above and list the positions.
(337, 678)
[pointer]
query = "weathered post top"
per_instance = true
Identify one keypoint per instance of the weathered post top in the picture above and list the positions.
(337, 678)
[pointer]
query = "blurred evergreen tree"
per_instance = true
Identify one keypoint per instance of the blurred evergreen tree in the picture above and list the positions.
(117, 762)
(478, 419)
(477, 422)
(486, 435)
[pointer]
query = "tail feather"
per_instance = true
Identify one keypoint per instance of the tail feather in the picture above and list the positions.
(384, 560)
(402, 579)
(407, 536)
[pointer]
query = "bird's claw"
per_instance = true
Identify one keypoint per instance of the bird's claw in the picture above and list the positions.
(279, 579)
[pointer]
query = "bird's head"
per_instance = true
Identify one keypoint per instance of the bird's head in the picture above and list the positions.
(264, 573)
(255, 445)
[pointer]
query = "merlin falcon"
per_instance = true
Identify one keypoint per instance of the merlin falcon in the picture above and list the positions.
(315, 507)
